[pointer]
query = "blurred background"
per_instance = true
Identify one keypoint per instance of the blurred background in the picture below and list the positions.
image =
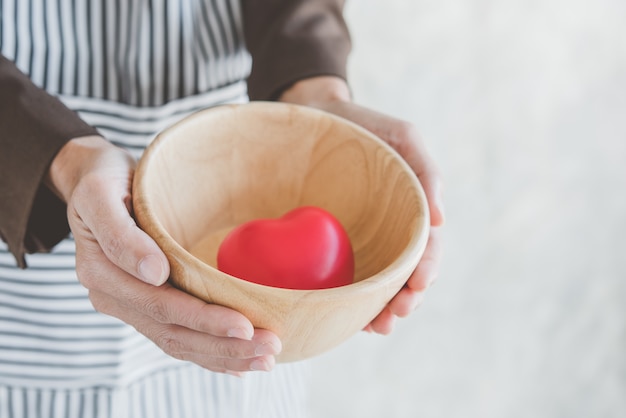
(523, 105)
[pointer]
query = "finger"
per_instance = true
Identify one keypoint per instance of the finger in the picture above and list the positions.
(103, 207)
(238, 363)
(434, 195)
(405, 302)
(233, 366)
(384, 322)
(427, 269)
(433, 189)
(168, 305)
(411, 296)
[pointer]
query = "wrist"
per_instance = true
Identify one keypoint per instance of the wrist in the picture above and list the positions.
(317, 90)
(72, 162)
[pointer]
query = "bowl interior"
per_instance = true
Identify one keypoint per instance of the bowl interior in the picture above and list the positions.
(231, 164)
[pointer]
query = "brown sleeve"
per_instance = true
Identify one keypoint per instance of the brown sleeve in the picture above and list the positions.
(290, 40)
(33, 128)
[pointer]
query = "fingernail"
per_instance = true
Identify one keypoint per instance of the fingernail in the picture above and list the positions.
(260, 365)
(232, 373)
(151, 270)
(266, 349)
(240, 333)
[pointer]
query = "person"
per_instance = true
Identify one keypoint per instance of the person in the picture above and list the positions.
(92, 328)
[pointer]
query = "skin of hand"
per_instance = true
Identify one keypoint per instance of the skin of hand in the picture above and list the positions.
(332, 94)
(126, 272)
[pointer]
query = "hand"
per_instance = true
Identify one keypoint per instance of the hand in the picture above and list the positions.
(331, 94)
(126, 272)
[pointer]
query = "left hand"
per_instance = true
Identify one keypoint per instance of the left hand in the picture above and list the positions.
(331, 94)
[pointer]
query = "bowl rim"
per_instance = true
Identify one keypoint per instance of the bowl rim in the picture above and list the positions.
(410, 255)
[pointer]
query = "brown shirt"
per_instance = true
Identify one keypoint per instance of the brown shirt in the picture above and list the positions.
(289, 40)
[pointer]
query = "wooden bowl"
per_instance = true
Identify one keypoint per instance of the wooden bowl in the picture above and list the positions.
(230, 164)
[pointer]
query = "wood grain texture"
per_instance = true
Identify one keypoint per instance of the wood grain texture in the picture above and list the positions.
(231, 164)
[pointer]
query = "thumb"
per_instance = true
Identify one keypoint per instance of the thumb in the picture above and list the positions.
(104, 214)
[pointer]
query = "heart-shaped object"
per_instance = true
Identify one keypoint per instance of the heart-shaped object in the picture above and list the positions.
(307, 248)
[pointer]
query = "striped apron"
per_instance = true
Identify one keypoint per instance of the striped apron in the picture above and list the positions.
(130, 68)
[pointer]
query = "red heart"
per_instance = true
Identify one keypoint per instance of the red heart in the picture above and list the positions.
(307, 248)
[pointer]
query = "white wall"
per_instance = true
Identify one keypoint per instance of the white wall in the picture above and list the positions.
(523, 104)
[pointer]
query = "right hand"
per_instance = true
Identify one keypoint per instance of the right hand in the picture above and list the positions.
(126, 272)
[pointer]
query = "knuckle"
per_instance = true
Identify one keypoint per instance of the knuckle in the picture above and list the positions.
(230, 349)
(87, 270)
(219, 365)
(156, 309)
(171, 345)
(190, 317)
(114, 245)
(91, 279)
(150, 304)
